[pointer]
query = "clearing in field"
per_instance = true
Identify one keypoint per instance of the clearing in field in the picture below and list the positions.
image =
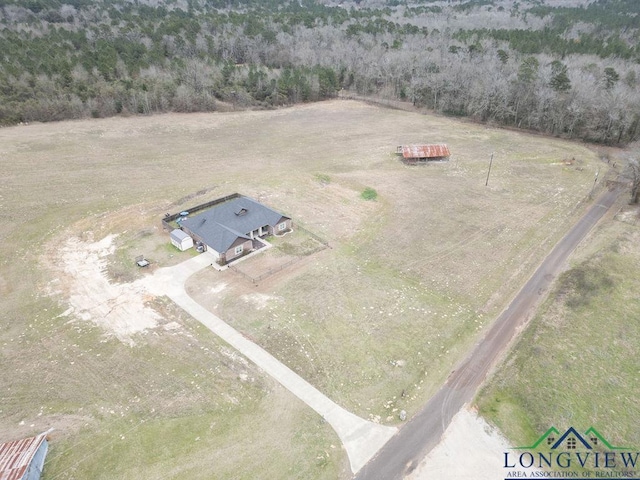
(376, 322)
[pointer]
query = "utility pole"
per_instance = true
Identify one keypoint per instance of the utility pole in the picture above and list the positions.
(490, 162)
(595, 180)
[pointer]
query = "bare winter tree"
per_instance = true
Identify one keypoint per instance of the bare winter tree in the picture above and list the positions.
(634, 174)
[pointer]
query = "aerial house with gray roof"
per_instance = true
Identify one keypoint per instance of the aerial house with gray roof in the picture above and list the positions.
(231, 228)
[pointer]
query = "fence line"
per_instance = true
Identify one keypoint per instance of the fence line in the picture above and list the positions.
(274, 270)
(379, 101)
(313, 235)
(240, 272)
(197, 208)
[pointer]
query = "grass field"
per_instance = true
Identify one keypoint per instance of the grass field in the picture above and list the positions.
(376, 322)
(577, 364)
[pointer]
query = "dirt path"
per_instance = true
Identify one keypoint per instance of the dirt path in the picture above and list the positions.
(117, 307)
(423, 432)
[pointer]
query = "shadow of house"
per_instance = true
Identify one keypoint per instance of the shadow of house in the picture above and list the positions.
(228, 229)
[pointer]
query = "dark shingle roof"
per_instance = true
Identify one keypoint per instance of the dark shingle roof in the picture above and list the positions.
(224, 223)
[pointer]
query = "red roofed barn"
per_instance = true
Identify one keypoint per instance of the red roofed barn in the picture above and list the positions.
(413, 154)
(23, 459)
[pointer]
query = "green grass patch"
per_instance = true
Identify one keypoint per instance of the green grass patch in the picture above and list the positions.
(585, 283)
(369, 194)
(508, 411)
(196, 445)
(323, 178)
(297, 243)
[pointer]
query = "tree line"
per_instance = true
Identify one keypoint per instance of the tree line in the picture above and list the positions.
(570, 71)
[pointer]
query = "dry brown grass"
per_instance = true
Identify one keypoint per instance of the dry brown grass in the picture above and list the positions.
(411, 280)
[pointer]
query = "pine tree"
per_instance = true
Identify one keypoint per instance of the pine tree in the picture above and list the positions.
(560, 80)
(611, 77)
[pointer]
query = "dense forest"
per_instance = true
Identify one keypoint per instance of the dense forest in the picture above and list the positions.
(566, 68)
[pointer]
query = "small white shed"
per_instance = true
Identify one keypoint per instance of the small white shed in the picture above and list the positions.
(181, 240)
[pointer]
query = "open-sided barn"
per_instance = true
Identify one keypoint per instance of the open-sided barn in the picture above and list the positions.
(23, 459)
(413, 154)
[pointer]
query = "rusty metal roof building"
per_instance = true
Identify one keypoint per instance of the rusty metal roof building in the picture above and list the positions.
(437, 150)
(23, 459)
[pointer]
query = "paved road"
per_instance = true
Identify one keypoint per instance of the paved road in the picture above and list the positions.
(423, 432)
(360, 438)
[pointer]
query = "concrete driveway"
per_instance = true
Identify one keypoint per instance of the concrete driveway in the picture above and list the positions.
(361, 439)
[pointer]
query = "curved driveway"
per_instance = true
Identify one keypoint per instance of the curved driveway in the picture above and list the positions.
(360, 438)
(405, 450)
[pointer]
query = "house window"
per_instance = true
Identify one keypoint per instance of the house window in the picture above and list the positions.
(238, 249)
(282, 226)
(594, 440)
(550, 440)
(571, 443)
